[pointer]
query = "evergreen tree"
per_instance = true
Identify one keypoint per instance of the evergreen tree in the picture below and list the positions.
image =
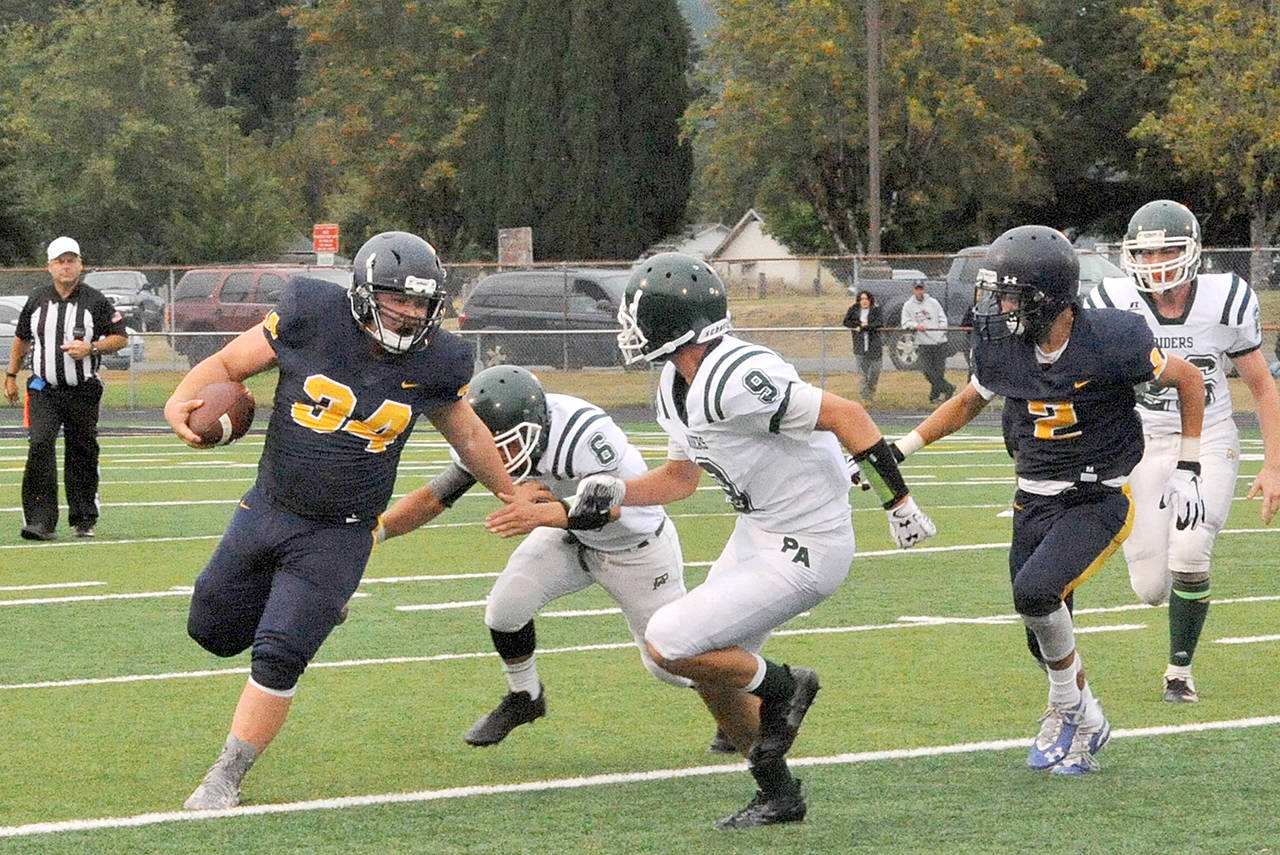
(581, 138)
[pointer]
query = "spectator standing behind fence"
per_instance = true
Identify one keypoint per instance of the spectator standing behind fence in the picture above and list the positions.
(865, 319)
(66, 326)
(925, 315)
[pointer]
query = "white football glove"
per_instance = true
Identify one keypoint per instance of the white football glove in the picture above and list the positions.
(909, 525)
(1182, 493)
(855, 473)
(599, 494)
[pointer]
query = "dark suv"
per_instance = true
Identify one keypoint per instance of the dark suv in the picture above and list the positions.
(230, 300)
(130, 292)
(541, 302)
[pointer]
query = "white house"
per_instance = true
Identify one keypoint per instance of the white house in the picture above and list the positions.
(748, 252)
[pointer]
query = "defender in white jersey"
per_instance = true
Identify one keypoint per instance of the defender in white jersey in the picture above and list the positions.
(635, 555)
(773, 442)
(1205, 318)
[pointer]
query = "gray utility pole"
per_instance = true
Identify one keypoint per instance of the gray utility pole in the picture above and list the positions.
(873, 127)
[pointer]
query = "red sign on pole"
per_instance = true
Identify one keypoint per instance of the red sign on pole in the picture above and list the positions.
(324, 237)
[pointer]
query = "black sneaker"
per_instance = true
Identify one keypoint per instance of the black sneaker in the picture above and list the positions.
(514, 710)
(84, 530)
(781, 807)
(37, 532)
(720, 744)
(780, 719)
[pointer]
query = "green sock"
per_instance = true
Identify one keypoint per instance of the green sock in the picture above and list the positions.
(1188, 608)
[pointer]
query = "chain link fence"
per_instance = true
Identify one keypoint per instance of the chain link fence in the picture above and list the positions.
(806, 334)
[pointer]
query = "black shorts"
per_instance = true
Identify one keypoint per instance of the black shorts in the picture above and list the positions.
(1059, 541)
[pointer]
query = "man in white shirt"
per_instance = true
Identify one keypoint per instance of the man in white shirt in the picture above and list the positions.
(926, 316)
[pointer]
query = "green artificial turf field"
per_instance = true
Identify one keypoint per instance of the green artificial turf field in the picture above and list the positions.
(916, 742)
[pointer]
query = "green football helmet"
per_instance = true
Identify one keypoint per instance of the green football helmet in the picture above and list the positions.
(1158, 226)
(513, 405)
(672, 299)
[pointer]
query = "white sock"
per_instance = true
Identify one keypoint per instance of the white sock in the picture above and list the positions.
(1063, 691)
(1092, 709)
(523, 677)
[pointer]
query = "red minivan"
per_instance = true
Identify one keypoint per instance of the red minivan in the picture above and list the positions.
(209, 300)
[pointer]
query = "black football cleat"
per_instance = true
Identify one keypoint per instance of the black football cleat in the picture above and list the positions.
(720, 744)
(35, 531)
(779, 808)
(780, 719)
(515, 709)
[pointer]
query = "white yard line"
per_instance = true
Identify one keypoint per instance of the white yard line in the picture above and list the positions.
(904, 622)
(602, 780)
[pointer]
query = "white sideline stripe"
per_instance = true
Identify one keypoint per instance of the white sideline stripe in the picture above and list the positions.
(607, 779)
(1247, 639)
(440, 607)
(913, 622)
(50, 585)
(88, 598)
(440, 577)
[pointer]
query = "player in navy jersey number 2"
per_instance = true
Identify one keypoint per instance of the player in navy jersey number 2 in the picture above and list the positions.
(772, 442)
(357, 368)
(1067, 374)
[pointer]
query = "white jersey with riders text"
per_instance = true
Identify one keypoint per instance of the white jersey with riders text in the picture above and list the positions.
(748, 420)
(1222, 319)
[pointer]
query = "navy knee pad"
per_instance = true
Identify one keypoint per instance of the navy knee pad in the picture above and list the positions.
(209, 628)
(275, 666)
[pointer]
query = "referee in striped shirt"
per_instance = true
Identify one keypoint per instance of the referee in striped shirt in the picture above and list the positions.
(66, 326)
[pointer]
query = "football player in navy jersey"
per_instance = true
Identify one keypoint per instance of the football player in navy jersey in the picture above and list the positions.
(1067, 374)
(357, 368)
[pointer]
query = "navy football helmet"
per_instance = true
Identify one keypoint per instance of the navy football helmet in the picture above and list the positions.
(513, 405)
(397, 293)
(1030, 274)
(672, 299)
(1158, 226)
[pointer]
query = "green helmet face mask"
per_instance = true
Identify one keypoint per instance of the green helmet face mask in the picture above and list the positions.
(512, 404)
(672, 300)
(1161, 247)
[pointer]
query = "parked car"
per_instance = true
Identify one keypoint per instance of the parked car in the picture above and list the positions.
(547, 300)
(11, 306)
(9, 309)
(230, 300)
(131, 293)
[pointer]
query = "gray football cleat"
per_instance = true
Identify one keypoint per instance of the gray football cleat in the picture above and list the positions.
(220, 787)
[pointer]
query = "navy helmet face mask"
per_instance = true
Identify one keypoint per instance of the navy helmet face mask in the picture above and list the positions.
(1030, 274)
(513, 405)
(671, 300)
(397, 292)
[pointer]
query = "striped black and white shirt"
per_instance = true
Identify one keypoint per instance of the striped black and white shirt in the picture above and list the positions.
(48, 321)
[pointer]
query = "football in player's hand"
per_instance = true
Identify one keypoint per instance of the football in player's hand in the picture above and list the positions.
(225, 415)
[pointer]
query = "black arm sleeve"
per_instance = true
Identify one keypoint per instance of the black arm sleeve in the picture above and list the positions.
(883, 473)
